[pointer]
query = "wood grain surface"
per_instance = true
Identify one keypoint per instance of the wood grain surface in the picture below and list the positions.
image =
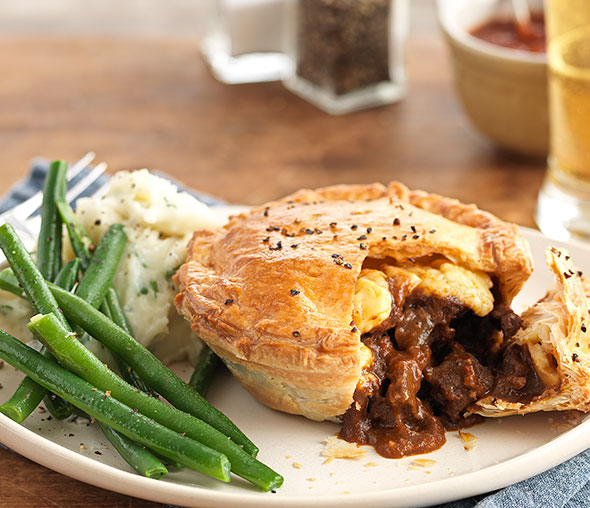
(152, 103)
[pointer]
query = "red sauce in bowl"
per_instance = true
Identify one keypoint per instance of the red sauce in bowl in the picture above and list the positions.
(507, 33)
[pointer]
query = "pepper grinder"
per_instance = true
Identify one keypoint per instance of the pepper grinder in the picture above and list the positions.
(347, 55)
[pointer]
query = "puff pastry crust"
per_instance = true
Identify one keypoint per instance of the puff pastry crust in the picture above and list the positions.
(272, 292)
(556, 332)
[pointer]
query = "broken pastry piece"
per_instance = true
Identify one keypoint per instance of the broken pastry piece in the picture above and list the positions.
(556, 336)
(382, 308)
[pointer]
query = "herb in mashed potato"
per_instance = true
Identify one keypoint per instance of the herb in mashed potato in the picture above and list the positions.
(159, 221)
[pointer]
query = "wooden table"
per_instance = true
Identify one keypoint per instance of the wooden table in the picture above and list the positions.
(152, 103)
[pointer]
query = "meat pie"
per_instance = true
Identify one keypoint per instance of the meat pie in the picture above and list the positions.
(380, 307)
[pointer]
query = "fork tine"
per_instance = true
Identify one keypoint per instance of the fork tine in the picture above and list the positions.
(85, 182)
(26, 208)
(78, 166)
(35, 202)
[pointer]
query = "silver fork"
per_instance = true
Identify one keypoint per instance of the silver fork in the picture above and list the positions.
(21, 217)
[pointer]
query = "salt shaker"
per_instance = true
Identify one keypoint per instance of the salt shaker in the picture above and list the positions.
(244, 41)
(347, 55)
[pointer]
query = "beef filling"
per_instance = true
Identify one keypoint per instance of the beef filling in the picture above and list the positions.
(518, 380)
(388, 414)
(455, 384)
(433, 358)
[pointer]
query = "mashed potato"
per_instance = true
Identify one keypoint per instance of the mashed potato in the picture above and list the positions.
(159, 222)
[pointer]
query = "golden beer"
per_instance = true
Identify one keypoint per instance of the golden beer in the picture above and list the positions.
(563, 210)
(569, 102)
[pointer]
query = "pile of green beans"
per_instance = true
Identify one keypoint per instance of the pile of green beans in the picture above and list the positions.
(79, 360)
(187, 432)
(151, 370)
(100, 405)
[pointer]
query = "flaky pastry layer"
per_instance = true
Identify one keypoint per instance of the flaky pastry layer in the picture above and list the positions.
(556, 331)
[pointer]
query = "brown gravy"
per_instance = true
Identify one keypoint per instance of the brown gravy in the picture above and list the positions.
(391, 416)
(433, 359)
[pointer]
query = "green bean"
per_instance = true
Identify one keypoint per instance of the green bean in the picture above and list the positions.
(115, 311)
(150, 369)
(68, 275)
(102, 406)
(66, 278)
(99, 275)
(137, 456)
(169, 462)
(8, 282)
(127, 373)
(49, 243)
(57, 407)
(24, 400)
(207, 364)
(82, 362)
(29, 394)
(80, 240)
(27, 273)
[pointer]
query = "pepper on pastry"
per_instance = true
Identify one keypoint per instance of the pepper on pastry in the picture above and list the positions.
(384, 308)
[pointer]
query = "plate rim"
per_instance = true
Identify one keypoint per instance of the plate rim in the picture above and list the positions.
(49, 454)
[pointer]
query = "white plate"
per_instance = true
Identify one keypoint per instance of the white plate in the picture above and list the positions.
(508, 450)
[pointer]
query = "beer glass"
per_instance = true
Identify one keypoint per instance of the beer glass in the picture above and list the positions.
(563, 208)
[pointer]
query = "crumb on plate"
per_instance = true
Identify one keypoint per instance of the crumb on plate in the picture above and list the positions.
(339, 449)
(469, 440)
